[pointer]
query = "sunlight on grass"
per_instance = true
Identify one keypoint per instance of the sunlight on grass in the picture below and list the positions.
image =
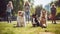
(7, 28)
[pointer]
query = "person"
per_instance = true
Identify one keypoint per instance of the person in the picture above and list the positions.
(43, 18)
(53, 13)
(9, 9)
(27, 11)
(21, 19)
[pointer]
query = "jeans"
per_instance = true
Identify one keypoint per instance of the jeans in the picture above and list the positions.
(9, 17)
(27, 16)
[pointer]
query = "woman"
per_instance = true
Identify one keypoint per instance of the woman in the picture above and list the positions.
(27, 11)
(9, 8)
(53, 13)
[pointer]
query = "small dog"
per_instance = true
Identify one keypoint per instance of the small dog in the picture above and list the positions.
(21, 19)
(43, 18)
(35, 20)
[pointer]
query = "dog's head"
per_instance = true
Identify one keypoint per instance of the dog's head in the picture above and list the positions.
(34, 15)
(20, 13)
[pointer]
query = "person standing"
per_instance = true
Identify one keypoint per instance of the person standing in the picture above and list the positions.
(27, 11)
(8, 11)
(53, 13)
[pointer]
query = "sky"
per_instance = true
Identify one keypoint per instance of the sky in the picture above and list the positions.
(43, 2)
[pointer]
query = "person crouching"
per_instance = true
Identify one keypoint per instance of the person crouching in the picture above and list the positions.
(21, 19)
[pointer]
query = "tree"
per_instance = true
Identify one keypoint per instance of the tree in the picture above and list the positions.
(18, 5)
(57, 3)
(32, 10)
(38, 10)
(3, 4)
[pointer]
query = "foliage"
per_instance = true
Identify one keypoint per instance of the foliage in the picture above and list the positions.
(3, 4)
(18, 5)
(57, 3)
(32, 10)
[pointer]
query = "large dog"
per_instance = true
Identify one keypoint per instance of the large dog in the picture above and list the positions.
(21, 19)
(43, 18)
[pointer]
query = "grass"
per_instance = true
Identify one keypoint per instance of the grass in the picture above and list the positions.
(58, 10)
(7, 28)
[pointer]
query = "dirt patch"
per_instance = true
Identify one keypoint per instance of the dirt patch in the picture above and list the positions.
(46, 33)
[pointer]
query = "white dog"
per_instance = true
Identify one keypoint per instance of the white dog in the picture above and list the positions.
(21, 19)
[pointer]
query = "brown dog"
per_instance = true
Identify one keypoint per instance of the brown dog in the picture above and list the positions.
(43, 18)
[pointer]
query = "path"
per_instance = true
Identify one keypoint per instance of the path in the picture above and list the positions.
(46, 33)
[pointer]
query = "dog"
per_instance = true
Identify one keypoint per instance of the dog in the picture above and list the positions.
(43, 18)
(35, 20)
(21, 19)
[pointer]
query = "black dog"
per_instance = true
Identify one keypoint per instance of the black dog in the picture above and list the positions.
(35, 20)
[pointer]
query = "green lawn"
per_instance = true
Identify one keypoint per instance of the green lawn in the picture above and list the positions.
(7, 28)
(58, 10)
